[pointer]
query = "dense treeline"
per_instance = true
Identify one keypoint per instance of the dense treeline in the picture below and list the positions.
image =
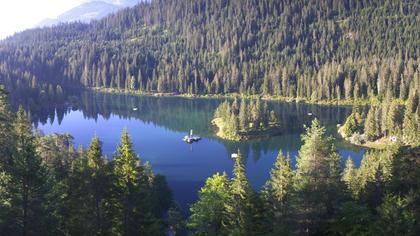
(318, 197)
(305, 49)
(47, 187)
(387, 120)
(244, 119)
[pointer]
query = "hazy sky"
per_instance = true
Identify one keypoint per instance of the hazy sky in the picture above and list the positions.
(17, 15)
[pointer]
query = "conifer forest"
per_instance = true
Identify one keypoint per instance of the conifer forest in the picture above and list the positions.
(305, 114)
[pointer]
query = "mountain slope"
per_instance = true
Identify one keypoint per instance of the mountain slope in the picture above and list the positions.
(303, 49)
(89, 11)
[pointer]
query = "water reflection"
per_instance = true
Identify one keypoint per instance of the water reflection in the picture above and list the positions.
(157, 125)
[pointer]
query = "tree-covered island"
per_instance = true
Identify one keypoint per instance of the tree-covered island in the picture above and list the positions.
(241, 120)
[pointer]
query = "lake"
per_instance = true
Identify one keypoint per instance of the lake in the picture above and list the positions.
(158, 124)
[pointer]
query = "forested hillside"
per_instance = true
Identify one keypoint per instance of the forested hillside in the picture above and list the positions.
(286, 48)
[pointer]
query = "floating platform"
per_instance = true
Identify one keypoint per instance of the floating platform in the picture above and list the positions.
(191, 138)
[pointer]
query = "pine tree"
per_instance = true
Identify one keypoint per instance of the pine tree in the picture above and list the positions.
(97, 188)
(281, 180)
(317, 177)
(350, 178)
(394, 121)
(243, 116)
(126, 172)
(126, 163)
(6, 129)
(411, 127)
(371, 124)
(277, 194)
(238, 209)
(29, 178)
(5, 202)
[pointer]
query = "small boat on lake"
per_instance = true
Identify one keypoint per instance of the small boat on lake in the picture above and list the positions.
(191, 138)
(135, 109)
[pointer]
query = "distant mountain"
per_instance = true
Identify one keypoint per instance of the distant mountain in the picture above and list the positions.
(89, 11)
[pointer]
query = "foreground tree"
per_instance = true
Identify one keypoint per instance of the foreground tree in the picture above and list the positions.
(98, 185)
(317, 178)
(6, 129)
(277, 194)
(29, 180)
(207, 213)
(133, 191)
(238, 207)
(350, 178)
(126, 181)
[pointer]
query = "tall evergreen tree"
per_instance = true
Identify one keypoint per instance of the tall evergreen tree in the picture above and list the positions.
(6, 129)
(98, 189)
(317, 177)
(278, 193)
(29, 178)
(350, 178)
(411, 127)
(126, 172)
(371, 124)
(238, 208)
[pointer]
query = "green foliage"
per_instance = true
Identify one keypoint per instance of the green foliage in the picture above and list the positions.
(277, 195)
(238, 207)
(353, 124)
(6, 137)
(411, 127)
(49, 188)
(132, 212)
(245, 120)
(312, 200)
(353, 219)
(390, 120)
(351, 179)
(395, 217)
(317, 51)
(126, 163)
(29, 182)
(317, 177)
(371, 124)
(281, 180)
(208, 212)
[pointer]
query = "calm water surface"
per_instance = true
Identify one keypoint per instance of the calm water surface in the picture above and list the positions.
(159, 124)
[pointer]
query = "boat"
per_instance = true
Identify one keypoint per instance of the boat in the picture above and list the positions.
(135, 109)
(191, 138)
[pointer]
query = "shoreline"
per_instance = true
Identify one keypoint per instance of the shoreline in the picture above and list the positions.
(335, 102)
(378, 144)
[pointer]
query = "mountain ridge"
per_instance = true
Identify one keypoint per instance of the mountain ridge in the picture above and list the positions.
(88, 11)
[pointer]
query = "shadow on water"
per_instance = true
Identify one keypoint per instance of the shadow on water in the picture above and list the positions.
(177, 114)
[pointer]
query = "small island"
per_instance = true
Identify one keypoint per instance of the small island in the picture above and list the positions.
(244, 120)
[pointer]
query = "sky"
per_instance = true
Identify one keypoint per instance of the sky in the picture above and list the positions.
(18, 15)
